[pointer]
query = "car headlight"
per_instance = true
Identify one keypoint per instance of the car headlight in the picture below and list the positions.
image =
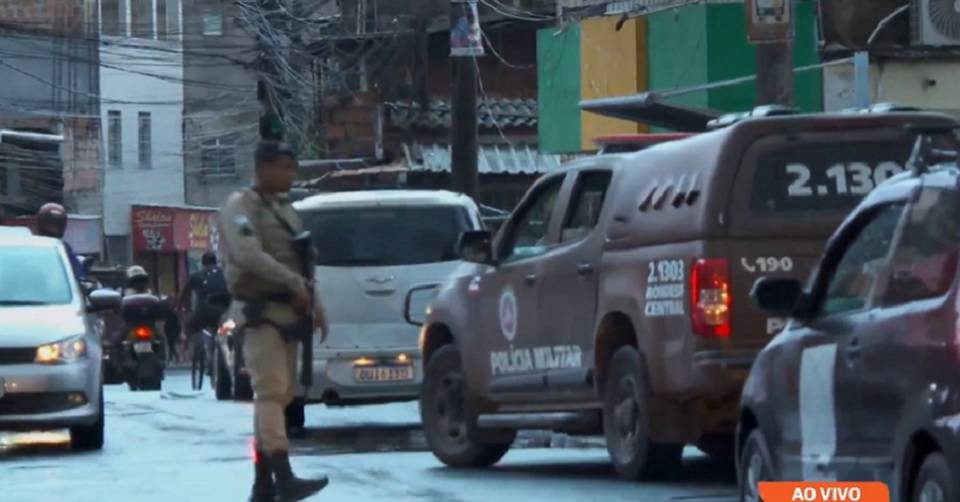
(64, 351)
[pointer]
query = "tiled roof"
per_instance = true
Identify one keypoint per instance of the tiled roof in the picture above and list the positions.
(496, 159)
(491, 114)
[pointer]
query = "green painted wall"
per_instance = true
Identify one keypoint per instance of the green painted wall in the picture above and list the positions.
(730, 56)
(677, 52)
(558, 89)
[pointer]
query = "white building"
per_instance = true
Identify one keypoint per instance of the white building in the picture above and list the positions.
(142, 89)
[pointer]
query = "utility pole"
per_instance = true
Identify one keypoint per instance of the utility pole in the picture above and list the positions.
(770, 29)
(271, 123)
(465, 46)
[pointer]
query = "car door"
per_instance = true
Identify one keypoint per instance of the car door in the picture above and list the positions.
(568, 291)
(509, 313)
(903, 354)
(818, 419)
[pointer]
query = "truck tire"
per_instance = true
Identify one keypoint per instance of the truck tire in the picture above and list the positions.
(755, 466)
(449, 421)
(934, 480)
(626, 424)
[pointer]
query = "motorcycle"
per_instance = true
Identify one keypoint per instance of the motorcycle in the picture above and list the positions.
(142, 347)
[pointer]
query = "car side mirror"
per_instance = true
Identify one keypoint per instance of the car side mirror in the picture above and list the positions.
(416, 305)
(778, 296)
(103, 299)
(476, 246)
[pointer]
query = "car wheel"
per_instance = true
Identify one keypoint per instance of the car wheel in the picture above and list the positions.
(934, 480)
(449, 422)
(89, 437)
(221, 377)
(755, 467)
(625, 423)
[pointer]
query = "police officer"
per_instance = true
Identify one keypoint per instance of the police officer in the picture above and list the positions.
(263, 268)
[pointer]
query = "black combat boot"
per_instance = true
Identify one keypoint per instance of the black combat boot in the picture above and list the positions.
(263, 488)
(289, 487)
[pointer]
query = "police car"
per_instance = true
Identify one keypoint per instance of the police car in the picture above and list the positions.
(862, 385)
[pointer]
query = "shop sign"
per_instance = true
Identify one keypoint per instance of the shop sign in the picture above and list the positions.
(153, 229)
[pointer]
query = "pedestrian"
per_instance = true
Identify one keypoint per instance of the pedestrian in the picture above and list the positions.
(204, 300)
(263, 274)
(52, 222)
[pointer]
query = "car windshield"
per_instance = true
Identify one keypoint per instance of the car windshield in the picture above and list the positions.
(386, 236)
(32, 275)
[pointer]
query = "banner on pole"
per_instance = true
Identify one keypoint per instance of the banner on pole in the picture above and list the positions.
(465, 36)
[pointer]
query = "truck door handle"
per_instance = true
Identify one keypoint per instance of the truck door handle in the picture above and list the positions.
(530, 279)
(584, 269)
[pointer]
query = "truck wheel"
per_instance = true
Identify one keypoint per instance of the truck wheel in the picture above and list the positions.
(221, 377)
(934, 480)
(625, 423)
(755, 467)
(449, 422)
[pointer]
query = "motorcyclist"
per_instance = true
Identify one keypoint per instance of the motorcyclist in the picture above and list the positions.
(138, 281)
(52, 222)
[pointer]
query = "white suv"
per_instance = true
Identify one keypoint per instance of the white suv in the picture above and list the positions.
(374, 246)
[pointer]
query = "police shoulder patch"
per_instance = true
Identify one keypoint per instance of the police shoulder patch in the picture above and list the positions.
(243, 225)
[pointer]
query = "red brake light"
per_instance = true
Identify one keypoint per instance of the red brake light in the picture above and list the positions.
(710, 297)
(142, 332)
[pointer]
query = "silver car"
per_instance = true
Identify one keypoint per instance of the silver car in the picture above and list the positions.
(373, 246)
(50, 342)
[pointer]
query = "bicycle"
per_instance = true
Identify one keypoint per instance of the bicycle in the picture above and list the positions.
(201, 358)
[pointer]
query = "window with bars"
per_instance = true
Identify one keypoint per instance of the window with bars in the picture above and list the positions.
(145, 140)
(218, 156)
(168, 19)
(114, 139)
(141, 18)
(113, 17)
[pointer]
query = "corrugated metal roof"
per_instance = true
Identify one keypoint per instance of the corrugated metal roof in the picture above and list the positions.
(491, 114)
(496, 159)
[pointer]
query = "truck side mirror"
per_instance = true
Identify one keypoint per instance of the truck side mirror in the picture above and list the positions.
(416, 305)
(476, 246)
(779, 297)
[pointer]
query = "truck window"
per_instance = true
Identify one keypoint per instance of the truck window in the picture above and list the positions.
(823, 176)
(586, 203)
(862, 263)
(528, 235)
(386, 236)
(925, 257)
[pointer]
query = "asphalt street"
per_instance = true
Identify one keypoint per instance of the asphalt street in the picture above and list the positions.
(180, 445)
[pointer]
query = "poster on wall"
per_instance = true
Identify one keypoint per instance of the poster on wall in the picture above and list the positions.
(769, 21)
(466, 39)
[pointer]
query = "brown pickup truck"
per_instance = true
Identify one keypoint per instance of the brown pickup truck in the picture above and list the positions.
(615, 298)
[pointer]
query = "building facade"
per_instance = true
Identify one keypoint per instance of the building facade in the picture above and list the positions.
(141, 111)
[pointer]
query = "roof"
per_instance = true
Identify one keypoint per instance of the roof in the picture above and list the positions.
(9, 237)
(649, 108)
(644, 139)
(495, 159)
(492, 113)
(384, 198)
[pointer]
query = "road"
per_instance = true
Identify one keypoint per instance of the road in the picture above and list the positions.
(182, 445)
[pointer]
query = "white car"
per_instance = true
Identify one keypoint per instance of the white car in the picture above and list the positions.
(373, 247)
(50, 343)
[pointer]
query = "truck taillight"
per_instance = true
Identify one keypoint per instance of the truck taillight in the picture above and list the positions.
(710, 297)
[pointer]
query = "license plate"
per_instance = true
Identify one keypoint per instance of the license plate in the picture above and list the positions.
(383, 373)
(142, 347)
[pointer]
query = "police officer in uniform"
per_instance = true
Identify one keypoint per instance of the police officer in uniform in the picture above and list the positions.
(263, 268)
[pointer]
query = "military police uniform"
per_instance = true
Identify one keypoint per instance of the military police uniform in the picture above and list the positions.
(261, 265)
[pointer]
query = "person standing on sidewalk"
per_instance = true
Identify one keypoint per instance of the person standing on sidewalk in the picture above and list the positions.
(262, 270)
